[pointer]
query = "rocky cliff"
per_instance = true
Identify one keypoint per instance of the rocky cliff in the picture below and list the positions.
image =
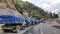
(7, 7)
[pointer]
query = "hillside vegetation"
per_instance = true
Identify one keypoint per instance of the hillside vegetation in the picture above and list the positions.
(33, 11)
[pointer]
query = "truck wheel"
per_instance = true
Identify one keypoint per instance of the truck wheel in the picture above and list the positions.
(27, 25)
(17, 29)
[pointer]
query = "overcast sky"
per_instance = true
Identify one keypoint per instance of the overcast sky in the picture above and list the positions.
(49, 5)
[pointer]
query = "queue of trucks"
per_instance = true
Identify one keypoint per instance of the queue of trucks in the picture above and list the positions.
(15, 23)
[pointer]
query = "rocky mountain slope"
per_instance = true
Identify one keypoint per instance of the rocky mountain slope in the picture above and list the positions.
(7, 7)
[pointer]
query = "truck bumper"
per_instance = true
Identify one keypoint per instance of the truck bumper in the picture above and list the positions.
(7, 29)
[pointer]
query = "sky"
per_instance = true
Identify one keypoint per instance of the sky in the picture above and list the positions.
(48, 5)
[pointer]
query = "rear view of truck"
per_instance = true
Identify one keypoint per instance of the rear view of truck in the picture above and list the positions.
(11, 23)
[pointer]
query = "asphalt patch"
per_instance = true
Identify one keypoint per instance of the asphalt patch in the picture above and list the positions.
(57, 27)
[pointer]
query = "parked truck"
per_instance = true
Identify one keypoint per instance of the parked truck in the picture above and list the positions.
(15, 23)
(12, 23)
(28, 22)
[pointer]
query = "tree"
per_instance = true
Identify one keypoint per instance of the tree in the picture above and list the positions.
(55, 15)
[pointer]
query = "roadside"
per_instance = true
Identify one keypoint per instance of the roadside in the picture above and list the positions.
(49, 29)
(43, 28)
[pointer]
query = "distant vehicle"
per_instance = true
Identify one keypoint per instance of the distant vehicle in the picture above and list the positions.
(34, 22)
(28, 22)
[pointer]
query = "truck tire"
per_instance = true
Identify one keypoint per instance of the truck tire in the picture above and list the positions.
(17, 29)
(27, 24)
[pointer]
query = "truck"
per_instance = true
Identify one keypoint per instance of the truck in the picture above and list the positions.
(12, 23)
(30, 21)
(34, 21)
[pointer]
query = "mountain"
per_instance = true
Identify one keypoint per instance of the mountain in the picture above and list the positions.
(17, 7)
(47, 5)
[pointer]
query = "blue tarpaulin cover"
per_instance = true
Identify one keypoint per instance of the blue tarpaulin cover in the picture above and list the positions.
(33, 20)
(27, 20)
(11, 19)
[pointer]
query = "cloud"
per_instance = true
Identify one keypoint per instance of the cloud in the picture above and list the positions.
(49, 5)
(55, 11)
